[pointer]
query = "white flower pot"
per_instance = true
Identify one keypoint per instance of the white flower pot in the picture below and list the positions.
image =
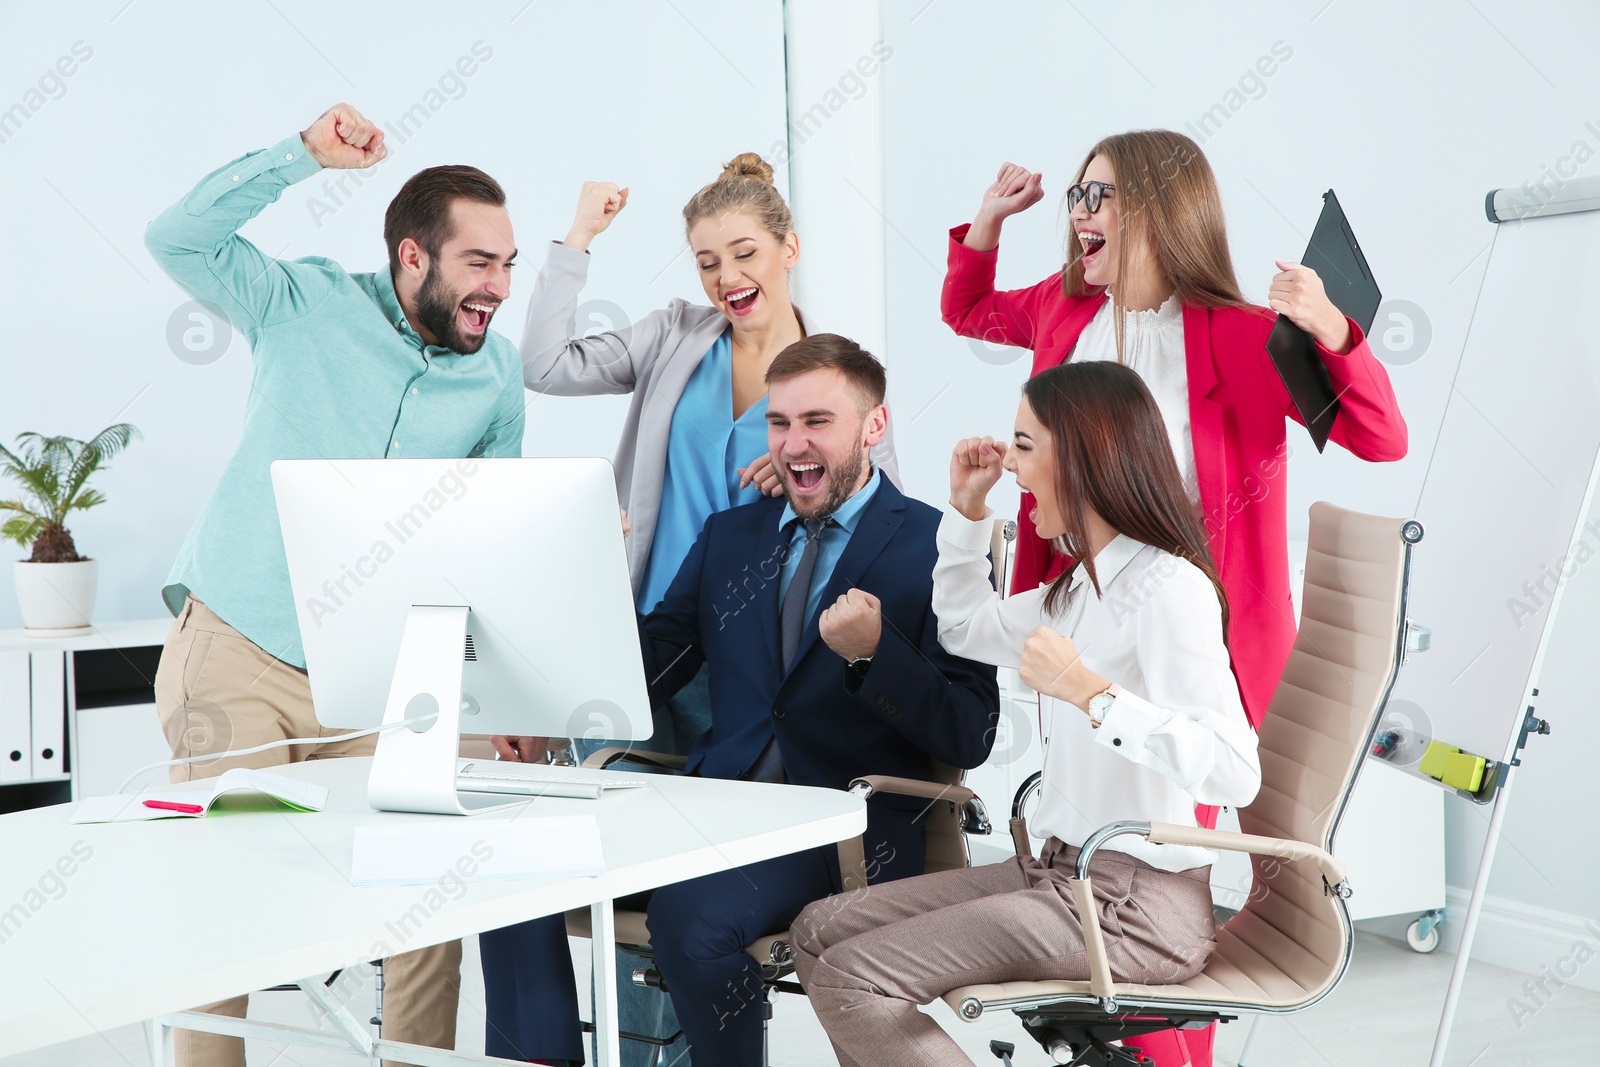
(56, 598)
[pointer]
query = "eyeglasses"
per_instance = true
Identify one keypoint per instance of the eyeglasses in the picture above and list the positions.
(1090, 191)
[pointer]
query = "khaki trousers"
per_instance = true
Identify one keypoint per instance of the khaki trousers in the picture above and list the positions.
(868, 958)
(216, 690)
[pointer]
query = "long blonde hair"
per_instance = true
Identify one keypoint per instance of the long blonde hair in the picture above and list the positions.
(1166, 197)
(744, 184)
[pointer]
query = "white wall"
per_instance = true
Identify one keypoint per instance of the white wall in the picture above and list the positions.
(1410, 111)
(652, 95)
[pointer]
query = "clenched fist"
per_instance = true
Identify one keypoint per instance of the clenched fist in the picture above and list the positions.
(598, 204)
(852, 625)
(1015, 189)
(975, 467)
(1051, 665)
(344, 139)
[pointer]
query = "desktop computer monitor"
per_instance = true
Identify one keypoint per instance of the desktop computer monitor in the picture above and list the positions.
(478, 595)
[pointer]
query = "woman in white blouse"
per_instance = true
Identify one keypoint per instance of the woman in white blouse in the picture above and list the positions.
(1138, 706)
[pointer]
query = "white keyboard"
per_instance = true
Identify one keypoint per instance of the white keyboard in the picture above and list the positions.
(536, 780)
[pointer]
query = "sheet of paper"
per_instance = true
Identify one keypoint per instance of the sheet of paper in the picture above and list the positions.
(477, 850)
(121, 807)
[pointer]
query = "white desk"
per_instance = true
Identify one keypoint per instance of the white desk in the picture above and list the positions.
(161, 916)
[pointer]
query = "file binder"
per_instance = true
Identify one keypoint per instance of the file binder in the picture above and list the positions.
(49, 671)
(16, 718)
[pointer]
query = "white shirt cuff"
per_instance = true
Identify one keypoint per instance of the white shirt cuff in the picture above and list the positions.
(1128, 725)
(958, 531)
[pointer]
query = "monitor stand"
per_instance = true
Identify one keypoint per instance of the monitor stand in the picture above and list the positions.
(414, 767)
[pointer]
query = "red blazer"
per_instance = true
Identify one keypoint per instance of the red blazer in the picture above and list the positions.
(1237, 405)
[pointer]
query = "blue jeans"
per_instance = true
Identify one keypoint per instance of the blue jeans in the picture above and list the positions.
(641, 1010)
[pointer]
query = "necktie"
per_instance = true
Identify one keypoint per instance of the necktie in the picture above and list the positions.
(794, 602)
(769, 765)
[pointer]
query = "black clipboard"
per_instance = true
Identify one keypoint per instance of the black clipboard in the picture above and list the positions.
(1336, 257)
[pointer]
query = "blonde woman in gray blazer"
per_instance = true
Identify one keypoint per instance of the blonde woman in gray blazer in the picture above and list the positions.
(743, 239)
(694, 442)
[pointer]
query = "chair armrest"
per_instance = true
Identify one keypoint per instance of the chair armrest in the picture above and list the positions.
(974, 819)
(974, 816)
(1021, 843)
(1160, 833)
(605, 757)
(1094, 940)
(869, 784)
(1333, 872)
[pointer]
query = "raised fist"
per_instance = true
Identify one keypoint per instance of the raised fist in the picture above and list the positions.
(344, 140)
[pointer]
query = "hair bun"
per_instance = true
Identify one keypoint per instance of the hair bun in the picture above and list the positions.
(748, 165)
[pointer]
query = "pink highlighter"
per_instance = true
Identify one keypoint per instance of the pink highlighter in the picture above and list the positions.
(172, 805)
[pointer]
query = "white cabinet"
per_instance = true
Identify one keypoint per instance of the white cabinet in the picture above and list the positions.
(77, 715)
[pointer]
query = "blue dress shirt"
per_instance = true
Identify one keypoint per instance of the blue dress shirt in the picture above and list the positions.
(705, 449)
(834, 540)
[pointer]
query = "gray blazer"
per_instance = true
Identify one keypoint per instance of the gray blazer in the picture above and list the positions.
(651, 359)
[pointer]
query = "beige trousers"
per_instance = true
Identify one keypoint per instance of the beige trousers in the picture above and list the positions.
(868, 958)
(216, 690)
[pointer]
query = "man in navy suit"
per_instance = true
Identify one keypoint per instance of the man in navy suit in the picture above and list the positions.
(814, 615)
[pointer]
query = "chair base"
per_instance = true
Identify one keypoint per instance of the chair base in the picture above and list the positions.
(643, 1039)
(1072, 1037)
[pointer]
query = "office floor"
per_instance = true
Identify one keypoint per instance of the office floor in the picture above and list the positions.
(1383, 1014)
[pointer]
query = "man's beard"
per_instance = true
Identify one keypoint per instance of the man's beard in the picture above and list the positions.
(841, 487)
(438, 311)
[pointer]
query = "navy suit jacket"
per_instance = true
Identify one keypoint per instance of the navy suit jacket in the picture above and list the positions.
(917, 703)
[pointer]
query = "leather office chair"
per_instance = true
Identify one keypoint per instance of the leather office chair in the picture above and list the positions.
(1290, 944)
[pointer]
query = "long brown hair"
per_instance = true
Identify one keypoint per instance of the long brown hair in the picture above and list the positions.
(1167, 198)
(1113, 457)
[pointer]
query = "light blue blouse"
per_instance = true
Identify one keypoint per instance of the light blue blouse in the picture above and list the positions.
(705, 450)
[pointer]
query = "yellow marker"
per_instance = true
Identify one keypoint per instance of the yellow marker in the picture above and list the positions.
(1454, 768)
(1465, 772)
(1436, 759)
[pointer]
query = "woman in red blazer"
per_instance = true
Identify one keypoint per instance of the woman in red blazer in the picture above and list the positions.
(1149, 281)
(1157, 232)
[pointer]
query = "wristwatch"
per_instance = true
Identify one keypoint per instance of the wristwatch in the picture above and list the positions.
(1101, 703)
(858, 667)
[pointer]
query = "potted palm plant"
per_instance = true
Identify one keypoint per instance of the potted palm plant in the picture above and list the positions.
(55, 585)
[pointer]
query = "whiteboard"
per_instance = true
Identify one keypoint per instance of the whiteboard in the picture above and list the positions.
(1508, 487)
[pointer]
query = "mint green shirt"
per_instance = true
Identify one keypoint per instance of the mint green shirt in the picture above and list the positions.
(339, 374)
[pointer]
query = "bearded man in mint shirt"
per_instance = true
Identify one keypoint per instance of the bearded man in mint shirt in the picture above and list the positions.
(398, 362)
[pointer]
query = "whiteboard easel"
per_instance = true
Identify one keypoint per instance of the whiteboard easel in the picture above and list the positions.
(1509, 485)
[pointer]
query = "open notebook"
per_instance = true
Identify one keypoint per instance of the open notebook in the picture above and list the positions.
(191, 803)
